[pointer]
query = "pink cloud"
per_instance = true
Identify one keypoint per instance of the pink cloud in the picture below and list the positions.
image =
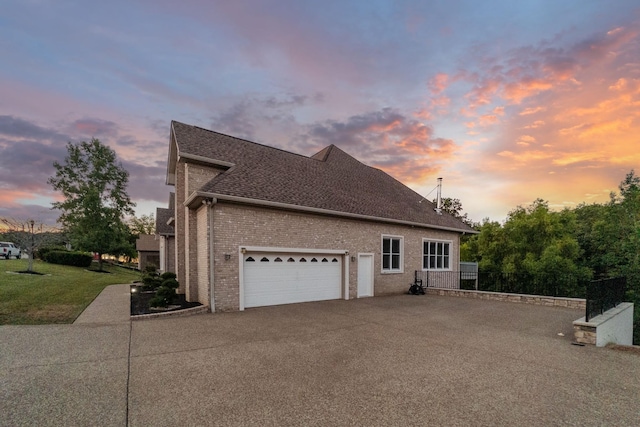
(438, 83)
(399, 145)
(531, 110)
(569, 130)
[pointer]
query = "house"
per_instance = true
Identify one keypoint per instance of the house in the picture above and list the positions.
(255, 225)
(166, 235)
(148, 251)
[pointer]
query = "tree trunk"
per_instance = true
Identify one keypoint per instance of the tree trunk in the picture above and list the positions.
(99, 261)
(30, 268)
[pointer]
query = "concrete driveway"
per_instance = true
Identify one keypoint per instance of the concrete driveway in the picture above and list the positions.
(401, 360)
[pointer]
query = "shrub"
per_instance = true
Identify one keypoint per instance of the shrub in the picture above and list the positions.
(164, 296)
(168, 275)
(75, 259)
(42, 252)
(150, 278)
(171, 284)
(165, 291)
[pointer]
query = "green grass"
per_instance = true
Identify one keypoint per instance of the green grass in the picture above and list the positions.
(58, 296)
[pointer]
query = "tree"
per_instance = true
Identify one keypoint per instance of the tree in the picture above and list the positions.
(617, 235)
(533, 241)
(96, 201)
(146, 224)
(454, 207)
(30, 236)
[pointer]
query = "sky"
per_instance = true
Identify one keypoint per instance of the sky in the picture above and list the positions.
(507, 101)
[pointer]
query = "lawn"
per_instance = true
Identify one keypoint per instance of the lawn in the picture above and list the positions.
(58, 296)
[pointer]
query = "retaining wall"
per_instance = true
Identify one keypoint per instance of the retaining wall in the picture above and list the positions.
(613, 326)
(577, 303)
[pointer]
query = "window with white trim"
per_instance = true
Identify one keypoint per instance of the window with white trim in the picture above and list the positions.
(436, 255)
(392, 248)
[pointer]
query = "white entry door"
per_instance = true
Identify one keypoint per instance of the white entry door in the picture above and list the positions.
(286, 278)
(365, 275)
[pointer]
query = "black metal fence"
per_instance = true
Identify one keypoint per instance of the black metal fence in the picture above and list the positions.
(515, 283)
(603, 295)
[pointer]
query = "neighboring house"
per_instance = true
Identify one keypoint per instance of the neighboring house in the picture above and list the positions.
(256, 225)
(166, 235)
(148, 251)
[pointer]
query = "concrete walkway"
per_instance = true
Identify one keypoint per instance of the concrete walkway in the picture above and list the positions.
(401, 360)
(111, 306)
(69, 375)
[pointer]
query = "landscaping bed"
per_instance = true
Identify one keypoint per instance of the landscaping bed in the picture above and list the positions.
(140, 302)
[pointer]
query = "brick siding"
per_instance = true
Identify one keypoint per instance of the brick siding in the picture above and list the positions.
(203, 255)
(236, 225)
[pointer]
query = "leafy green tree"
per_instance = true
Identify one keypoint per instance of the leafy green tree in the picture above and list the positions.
(94, 187)
(454, 207)
(146, 224)
(590, 241)
(618, 236)
(533, 241)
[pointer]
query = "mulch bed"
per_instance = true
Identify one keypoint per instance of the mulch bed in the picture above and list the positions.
(140, 302)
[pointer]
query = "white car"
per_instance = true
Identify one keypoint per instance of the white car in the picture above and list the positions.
(8, 250)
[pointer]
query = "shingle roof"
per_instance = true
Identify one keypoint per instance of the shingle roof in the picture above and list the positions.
(330, 180)
(162, 217)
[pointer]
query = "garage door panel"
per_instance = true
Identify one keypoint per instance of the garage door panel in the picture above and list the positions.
(272, 279)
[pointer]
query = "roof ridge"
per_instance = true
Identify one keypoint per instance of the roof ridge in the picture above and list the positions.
(241, 139)
(323, 154)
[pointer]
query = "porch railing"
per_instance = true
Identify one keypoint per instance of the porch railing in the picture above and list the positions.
(603, 295)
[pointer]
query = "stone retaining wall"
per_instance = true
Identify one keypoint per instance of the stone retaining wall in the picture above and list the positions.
(577, 303)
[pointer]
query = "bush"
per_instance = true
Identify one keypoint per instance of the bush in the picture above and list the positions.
(150, 278)
(42, 252)
(165, 286)
(164, 297)
(75, 259)
(170, 283)
(168, 275)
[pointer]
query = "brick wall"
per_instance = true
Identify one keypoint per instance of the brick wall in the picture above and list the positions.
(236, 225)
(179, 215)
(167, 253)
(189, 178)
(191, 261)
(171, 253)
(200, 175)
(203, 255)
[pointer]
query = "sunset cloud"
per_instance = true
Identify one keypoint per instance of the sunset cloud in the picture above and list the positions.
(509, 102)
(386, 139)
(578, 106)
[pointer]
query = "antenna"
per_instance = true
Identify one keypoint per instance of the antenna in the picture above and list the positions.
(438, 208)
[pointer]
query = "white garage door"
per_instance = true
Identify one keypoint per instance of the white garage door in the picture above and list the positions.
(286, 278)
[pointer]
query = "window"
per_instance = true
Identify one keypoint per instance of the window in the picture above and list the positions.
(392, 254)
(436, 255)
